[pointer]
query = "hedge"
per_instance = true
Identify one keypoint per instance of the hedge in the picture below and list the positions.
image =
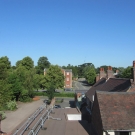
(55, 94)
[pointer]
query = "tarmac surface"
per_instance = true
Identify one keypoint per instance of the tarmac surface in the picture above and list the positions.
(14, 118)
(25, 110)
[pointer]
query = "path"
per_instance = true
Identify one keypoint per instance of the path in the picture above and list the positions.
(14, 118)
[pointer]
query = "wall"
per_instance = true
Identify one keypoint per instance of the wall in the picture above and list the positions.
(113, 133)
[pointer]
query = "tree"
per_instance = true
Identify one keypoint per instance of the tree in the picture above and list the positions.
(5, 66)
(89, 73)
(16, 85)
(5, 93)
(53, 76)
(126, 73)
(27, 62)
(50, 91)
(18, 63)
(42, 64)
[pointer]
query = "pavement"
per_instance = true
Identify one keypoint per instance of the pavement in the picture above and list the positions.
(14, 118)
(25, 110)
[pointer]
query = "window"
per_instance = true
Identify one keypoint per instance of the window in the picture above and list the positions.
(67, 73)
(67, 79)
(122, 133)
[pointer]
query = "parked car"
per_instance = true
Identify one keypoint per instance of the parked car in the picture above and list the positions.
(57, 106)
(68, 89)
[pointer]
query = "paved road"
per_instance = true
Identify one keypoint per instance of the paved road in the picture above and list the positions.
(81, 84)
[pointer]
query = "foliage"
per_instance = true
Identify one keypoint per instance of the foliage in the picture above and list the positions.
(5, 93)
(42, 64)
(53, 76)
(3, 115)
(16, 85)
(126, 73)
(89, 73)
(5, 65)
(18, 63)
(55, 94)
(11, 105)
(27, 62)
(25, 99)
(50, 91)
(90, 77)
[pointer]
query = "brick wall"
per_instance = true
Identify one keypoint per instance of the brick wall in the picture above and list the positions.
(96, 117)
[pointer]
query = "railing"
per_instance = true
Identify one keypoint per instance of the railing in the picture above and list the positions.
(25, 126)
(39, 124)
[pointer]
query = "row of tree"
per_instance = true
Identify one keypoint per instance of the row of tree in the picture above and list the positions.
(20, 82)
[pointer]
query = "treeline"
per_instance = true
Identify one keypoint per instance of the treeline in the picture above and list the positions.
(88, 71)
(19, 82)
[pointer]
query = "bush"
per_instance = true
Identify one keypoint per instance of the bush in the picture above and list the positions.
(55, 94)
(25, 99)
(11, 105)
(3, 115)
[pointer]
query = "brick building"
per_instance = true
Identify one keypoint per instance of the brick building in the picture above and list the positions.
(68, 78)
(67, 75)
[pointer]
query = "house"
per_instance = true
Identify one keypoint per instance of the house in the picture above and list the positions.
(113, 113)
(107, 83)
(67, 75)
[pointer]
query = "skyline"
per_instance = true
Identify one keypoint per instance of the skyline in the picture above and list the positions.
(69, 32)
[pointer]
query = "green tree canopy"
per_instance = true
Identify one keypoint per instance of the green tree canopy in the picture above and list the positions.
(27, 62)
(53, 77)
(126, 73)
(90, 73)
(16, 85)
(42, 64)
(5, 65)
(5, 93)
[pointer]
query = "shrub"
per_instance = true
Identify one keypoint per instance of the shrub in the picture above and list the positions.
(55, 94)
(25, 99)
(3, 115)
(11, 105)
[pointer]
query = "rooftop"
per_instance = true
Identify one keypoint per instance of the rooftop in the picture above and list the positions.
(110, 85)
(117, 110)
(64, 126)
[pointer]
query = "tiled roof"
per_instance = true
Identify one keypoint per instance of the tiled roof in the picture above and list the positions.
(95, 87)
(110, 85)
(132, 89)
(117, 110)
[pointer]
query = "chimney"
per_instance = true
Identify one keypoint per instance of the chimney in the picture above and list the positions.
(110, 72)
(97, 78)
(102, 73)
(134, 71)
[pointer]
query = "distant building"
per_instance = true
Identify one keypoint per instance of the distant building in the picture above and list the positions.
(67, 75)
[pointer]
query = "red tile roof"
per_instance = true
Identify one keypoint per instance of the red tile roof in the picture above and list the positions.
(117, 110)
(110, 85)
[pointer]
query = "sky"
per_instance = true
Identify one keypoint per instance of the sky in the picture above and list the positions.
(73, 32)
